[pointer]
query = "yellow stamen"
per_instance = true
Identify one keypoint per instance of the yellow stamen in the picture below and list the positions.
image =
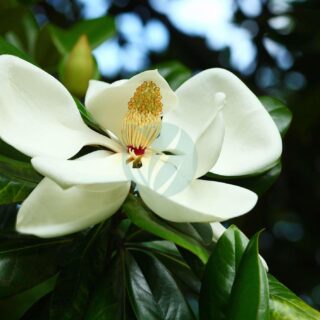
(146, 99)
(142, 122)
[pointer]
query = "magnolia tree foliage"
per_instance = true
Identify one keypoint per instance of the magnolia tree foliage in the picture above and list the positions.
(112, 194)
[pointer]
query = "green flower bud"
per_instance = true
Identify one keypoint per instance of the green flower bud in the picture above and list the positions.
(78, 68)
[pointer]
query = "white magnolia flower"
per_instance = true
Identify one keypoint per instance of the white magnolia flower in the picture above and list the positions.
(227, 130)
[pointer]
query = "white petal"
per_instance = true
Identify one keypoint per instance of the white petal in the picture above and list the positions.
(194, 129)
(109, 106)
(96, 87)
(217, 230)
(201, 201)
(97, 168)
(198, 105)
(208, 145)
(38, 115)
(51, 211)
(252, 141)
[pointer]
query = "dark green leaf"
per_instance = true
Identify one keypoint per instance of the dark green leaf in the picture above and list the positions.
(25, 262)
(196, 265)
(188, 283)
(19, 27)
(5, 4)
(280, 114)
(11, 152)
(164, 289)
(205, 231)
(109, 300)
(262, 182)
(17, 180)
(76, 280)
(7, 48)
(174, 72)
(8, 218)
(98, 30)
(14, 307)
(168, 254)
(104, 304)
(39, 310)
(45, 51)
(148, 221)
(141, 298)
(220, 273)
(285, 305)
(250, 292)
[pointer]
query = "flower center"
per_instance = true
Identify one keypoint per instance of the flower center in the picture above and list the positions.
(142, 122)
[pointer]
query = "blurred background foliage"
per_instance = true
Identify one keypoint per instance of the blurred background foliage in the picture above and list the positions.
(274, 46)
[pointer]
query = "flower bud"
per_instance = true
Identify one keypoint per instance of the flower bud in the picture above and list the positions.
(78, 68)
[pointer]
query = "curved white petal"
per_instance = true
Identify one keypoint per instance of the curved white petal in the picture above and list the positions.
(96, 87)
(208, 145)
(109, 105)
(252, 141)
(38, 115)
(201, 201)
(97, 168)
(217, 230)
(51, 211)
(194, 129)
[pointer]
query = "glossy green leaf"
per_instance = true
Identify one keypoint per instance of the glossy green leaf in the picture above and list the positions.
(285, 305)
(220, 274)
(98, 30)
(7, 48)
(174, 72)
(145, 219)
(104, 304)
(25, 262)
(279, 112)
(185, 278)
(195, 264)
(15, 307)
(169, 255)
(205, 231)
(250, 292)
(77, 279)
(166, 293)
(17, 180)
(141, 298)
(153, 291)
(109, 300)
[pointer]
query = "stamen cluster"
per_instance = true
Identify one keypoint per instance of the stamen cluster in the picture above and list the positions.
(142, 122)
